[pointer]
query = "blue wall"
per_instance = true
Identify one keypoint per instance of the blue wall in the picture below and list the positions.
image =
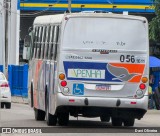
(18, 80)
(1, 68)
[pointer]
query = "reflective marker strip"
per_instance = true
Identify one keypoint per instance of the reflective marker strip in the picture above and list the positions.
(71, 100)
(133, 102)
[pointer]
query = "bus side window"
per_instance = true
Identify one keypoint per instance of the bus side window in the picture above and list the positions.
(32, 43)
(55, 43)
(43, 42)
(38, 42)
(35, 42)
(46, 42)
(50, 42)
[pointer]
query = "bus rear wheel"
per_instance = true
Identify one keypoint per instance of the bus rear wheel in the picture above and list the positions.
(8, 105)
(63, 119)
(2, 105)
(51, 119)
(39, 114)
(116, 121)
(129, 122)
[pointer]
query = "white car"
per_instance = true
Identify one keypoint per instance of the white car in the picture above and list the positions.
(5, 93)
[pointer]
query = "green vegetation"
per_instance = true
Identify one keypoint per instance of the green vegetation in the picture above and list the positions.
(154, 25)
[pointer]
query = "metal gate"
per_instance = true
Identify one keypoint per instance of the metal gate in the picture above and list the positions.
(18, 80)
(1, 68)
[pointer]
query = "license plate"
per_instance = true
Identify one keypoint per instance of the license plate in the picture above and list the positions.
(103, 87)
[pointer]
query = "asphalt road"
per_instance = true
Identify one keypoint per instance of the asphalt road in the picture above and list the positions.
(22, 115)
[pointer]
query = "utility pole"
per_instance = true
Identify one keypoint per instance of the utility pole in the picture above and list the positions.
(69, 5)
(9, 33)
(2, 34)
(7, 9)
(12, 32)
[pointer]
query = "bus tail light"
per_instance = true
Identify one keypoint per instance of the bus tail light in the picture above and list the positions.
(4, 85)
(144, 79)
(142, 86)
(62, 76)
(63, 83)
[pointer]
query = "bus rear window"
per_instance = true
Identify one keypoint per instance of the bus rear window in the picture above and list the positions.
(105, 33)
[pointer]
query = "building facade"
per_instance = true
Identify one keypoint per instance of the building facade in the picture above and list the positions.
(144, 6)
(32, 8)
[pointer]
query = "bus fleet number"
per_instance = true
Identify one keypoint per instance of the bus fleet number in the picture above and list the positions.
(127, 58)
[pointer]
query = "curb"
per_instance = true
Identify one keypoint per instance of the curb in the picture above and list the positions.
(18, 99)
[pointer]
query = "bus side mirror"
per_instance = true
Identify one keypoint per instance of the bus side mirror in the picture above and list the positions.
(27, 41)
(26, 53)
(27, 46)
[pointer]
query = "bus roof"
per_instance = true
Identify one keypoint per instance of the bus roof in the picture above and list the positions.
(48, 19)
(57, 19)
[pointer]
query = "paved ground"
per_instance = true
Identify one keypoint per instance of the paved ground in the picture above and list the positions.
(21, 115)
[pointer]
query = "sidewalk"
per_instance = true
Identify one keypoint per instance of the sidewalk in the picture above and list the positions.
(19, 99)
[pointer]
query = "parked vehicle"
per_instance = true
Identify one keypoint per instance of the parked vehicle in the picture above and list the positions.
(5, 93)
(90, 65)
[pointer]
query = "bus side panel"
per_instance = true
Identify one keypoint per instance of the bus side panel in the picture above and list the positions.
(41, 86)
(52, 87)
(37, 66)
(30, 79)
(47, 78)
(35, 105)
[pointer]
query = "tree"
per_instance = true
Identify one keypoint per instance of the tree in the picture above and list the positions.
(154, 25)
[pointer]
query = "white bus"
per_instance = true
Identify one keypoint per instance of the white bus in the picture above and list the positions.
(90, 65)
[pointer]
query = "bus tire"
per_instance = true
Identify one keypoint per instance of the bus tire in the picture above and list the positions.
(39, 114)
(129, 122)
(63, 119)
(31, 94)
(51, 119)
(104, 118)
(116, 121)
(2, 105)
(8, 105)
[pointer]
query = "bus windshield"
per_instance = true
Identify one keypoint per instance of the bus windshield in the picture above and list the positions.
(105, 33)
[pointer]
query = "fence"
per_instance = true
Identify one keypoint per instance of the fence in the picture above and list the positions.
(1, 68)
(18, 80)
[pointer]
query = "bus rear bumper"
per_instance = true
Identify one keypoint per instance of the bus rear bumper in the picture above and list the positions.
(97, 106)
(102, 102)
